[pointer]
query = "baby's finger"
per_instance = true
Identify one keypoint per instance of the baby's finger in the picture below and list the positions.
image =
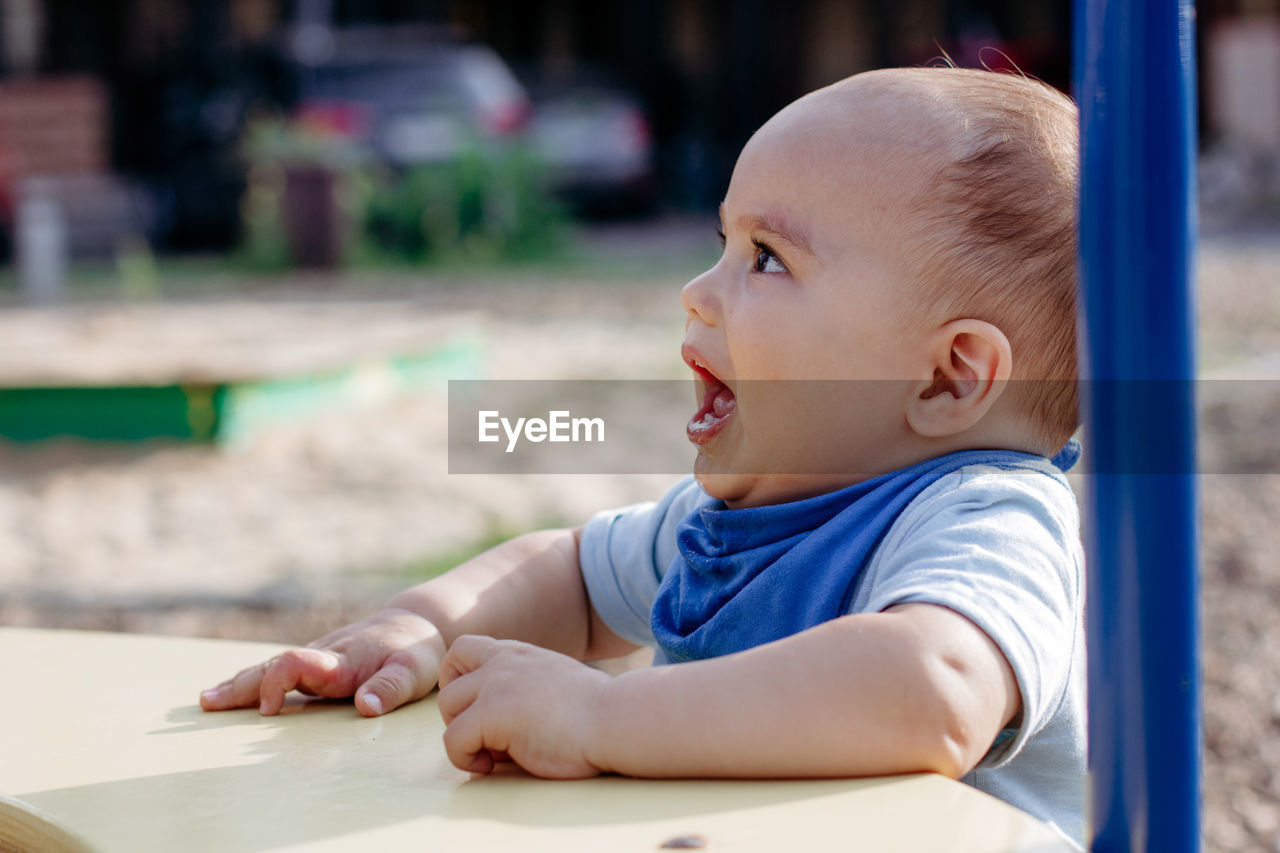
(457, 696)
(399, 681)
(468, 653)
(240, 691)
(465, 746)
(308, 668)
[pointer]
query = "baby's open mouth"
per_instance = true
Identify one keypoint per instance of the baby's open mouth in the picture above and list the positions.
(718, 404)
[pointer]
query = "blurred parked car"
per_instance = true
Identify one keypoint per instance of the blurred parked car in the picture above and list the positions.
(596, 142)
(410, 106)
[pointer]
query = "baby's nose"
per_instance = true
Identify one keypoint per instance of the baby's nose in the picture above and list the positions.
(699, 298)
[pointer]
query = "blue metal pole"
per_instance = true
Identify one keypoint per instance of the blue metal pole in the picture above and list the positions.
(1135, 85)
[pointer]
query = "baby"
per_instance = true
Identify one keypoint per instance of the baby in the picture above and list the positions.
(876, 573)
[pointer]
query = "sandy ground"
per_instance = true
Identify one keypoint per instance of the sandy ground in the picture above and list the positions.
(308, 526)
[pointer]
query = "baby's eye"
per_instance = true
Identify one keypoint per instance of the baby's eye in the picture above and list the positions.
(766, 261)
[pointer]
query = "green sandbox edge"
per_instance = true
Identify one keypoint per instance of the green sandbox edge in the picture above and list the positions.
(223, 412)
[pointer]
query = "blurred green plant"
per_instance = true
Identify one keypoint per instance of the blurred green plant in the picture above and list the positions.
(263, 246)
(488, 205)
(273, 141)
(297, 206)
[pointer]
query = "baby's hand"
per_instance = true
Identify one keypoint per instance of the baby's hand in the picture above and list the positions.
(391, 658)
(508, 701)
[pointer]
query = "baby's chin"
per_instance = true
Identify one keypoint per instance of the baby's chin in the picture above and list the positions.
(734, 489)
(719, 479)
(740, 491)
(728, 469)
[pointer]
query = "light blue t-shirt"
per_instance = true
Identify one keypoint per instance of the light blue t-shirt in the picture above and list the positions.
(1000, 547)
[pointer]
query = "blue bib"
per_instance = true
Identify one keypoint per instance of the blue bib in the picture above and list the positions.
(744, 577)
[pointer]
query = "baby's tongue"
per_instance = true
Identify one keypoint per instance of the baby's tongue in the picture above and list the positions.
(724, 403)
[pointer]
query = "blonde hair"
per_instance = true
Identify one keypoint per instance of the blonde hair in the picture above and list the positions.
(995, 228)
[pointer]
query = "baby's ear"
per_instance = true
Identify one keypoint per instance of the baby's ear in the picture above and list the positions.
(972, 361)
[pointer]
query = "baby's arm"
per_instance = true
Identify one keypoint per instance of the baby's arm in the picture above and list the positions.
(916, 688)
(529, 588)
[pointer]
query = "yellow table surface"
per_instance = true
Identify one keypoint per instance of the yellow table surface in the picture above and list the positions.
(104, 748)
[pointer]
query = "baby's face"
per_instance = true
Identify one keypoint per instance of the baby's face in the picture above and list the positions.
(808, 288)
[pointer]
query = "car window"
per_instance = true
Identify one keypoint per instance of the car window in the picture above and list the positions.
(488, 80)
(390, 86)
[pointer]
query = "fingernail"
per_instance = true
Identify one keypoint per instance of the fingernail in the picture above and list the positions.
(210, 695)
(373, 703)
(262, 707)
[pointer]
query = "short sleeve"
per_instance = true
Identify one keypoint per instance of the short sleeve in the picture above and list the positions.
(1003, 549)
(625, 553)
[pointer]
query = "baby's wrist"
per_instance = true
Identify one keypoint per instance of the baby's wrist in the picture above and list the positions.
(612, 735)
(601, 739)
(434, 635)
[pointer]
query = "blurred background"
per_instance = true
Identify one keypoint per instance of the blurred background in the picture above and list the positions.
(168, 123)
(247, 242)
